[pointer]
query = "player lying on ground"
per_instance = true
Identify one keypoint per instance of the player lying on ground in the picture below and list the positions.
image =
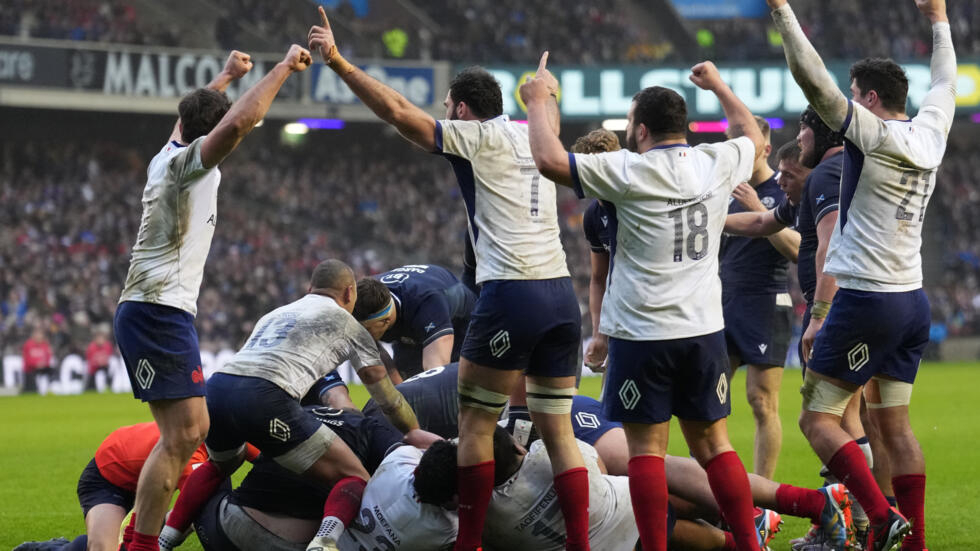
(154, 322)
(255, 397)
(527, 317)
(878, 324)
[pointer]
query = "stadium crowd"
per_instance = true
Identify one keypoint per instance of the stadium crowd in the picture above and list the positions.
(347, 200)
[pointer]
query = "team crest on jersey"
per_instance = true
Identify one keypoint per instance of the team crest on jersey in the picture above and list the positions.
(820, 199)
(430, 327)
(768, 202)
(279, 430)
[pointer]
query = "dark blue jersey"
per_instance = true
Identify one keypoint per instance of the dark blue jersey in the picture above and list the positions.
(595, 223)
(429, 299)
(821, 196)
(274, 489)
(752, 266)
(434, 397)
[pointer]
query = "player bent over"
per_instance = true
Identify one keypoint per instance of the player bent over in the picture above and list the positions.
(154, 323)
(878, 324)
(667, 203)
(526, 317)
(255, 398)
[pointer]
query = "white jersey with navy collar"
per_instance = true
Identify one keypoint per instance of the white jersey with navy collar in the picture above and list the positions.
(392, 517)
(524, 511)
(888, 176)
(513, 215)
(180, 211)
(666, 210)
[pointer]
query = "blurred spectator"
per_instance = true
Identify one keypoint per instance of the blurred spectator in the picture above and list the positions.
(97, 358)
(37, 357)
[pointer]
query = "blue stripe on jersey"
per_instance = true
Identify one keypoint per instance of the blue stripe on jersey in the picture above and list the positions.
(847, 119)
(613, 228)
(576, 182)
(177, 144)
(467, 183)
(850, 173)
(668, 146)
(438, 136)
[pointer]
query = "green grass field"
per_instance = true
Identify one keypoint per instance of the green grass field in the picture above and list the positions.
(45, 443)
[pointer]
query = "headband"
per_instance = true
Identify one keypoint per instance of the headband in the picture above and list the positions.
(383, 312)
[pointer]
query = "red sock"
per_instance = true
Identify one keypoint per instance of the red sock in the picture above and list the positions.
(143, 542)
(730, 486)
(910, 491)
(799, 502)
(344, 500)
(129, 531)
(572, 487)
(648, 492)
(194, 494)
(729, 542)
(851, 469)
(475, 483)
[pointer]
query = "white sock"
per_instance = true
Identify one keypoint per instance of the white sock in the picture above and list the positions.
(331, 527)
(170, 538)
(866, 448)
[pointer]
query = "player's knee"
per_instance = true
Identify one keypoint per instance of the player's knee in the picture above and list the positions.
(764, 404)
(182, 442)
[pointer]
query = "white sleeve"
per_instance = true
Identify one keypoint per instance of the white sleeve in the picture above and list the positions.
(460, 138)
(186, 165)
(736, 157)
(600, 175)
(939, 105)
(863, 128)
(363, 348)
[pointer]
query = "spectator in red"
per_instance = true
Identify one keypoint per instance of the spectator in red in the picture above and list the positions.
(37, 362)
(97, 356)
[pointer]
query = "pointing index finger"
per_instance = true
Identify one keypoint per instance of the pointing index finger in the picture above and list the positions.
(323, 18)
(542, 65)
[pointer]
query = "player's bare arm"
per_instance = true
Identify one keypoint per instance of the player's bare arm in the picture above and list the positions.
(438, 352)
(753, 224)
(598, 349)
(808, 69)
(237, 65)
(785, 240)
(251, 107)
(552, 82)
(549, 154)
(823, 295)
(741, 122)
(413, 123)
(394, 406)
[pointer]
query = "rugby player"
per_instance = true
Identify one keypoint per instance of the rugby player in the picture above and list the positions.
(421, 309)
(879, 320)
(527, 317)
(666, 202)
(757, 307)
(154, 323)
(255, 397)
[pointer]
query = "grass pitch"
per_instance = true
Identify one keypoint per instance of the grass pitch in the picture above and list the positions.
(46, 442)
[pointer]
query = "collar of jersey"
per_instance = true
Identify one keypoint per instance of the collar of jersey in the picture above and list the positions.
(177, 144)
(667, 146)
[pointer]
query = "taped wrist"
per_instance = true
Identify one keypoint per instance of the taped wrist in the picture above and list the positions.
(393, 405)
(820, 309)
(544, 399)
(337, 62)
(475, 396)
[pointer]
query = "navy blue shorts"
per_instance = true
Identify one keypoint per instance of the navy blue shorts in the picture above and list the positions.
(648, 381)
(94, 489)
(868, 334)
(757, 330)
(526, 325)
(314, 397)
(253, 410)
(160, 349)
(587, 420)
(207, 525)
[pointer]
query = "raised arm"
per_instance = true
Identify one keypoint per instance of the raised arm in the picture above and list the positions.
(741, 122)
(808, 69)
(237, 65)
(413, 123)
(539, 95)
(250, 108)
(942, 90)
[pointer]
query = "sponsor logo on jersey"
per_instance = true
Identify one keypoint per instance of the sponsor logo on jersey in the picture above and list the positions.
(197, 376)
(768, 202)
(629, 394)
(858, 356)
(763, 347)
(145, 374)
(500, 343)
(279, 430)
(587, 420)
(722, 389)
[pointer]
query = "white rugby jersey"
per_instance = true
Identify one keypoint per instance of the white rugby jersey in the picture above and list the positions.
(513, 215)
(295, 345)
(180, 210)
(524, 512)
(391, 515)
(888, 176)
(666, 211)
